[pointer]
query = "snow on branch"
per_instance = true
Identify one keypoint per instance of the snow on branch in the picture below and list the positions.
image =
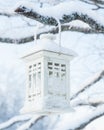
(90, 82)
(36, 16)
(53, 30)
(99, 112)
(30, 123)
(98, 2)
(7, 14)
(65, 12)
(31, 120)
(86, 102)
(14, 120)
(17, 41)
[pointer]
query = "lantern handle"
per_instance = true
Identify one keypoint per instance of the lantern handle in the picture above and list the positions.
(59, 34)
(36, 31)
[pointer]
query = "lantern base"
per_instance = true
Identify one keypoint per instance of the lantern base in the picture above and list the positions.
(47, 106)
(46, 111)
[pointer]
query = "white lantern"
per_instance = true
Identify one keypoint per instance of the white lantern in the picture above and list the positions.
(48, 77)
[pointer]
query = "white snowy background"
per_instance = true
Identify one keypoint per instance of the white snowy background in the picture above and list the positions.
(84, 69)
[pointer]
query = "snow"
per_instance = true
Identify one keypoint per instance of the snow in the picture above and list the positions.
(78, 23)
(80, 116)
(67, 122)
(28, 124)
(15, 119)
(12, 70)
(96, 125)
(46, 43)
(13, 30)
(11, 53)
(90, 81)
(15, 52)
(88, 63)
(97, 98)
(67, 8)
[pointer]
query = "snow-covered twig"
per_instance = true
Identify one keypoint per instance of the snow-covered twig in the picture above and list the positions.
(14, 120)
(65, 17)
(99, 112)
(95, 104)
(98, 2)
(16, 41)
(31, 122)
(7, 14)
(90, 82)
(53, 31)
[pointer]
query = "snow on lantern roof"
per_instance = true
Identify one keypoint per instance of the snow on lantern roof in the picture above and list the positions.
(47, 43)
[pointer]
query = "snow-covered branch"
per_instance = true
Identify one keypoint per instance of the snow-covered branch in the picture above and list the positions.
(31, 120)
(53, 30)
(36, 16)
(98, 2)
(17, 41)
(30, 123)
(14, 120)
(86, 102)
(99, 112)
(64, 17)
(7, 14)
(92, 81)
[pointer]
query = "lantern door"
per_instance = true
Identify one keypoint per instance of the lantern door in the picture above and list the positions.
(58, 82)
(34, 81)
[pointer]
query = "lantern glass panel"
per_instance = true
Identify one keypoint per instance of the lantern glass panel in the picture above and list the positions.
(56, 78)
(34, 80)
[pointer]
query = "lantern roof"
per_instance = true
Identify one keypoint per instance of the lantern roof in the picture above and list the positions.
(47, 43)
